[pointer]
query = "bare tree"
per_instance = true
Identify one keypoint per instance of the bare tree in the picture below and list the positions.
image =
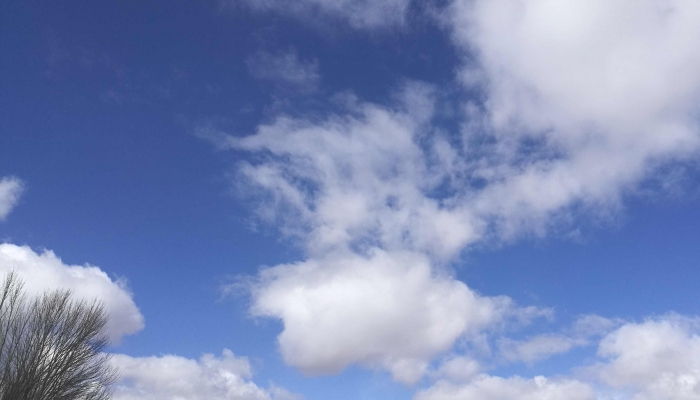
(51, 346)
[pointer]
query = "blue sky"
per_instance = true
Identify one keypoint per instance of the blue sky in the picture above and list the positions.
(387, 199)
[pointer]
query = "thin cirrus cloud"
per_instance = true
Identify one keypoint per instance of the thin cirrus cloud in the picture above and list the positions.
(45, 271)
(10, 191)
(173, 377)
(359, 14)
(285, 69)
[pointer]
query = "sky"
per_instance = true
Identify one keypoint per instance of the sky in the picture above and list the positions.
(363, 199)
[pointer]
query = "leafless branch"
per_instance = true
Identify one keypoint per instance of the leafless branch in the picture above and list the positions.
(51, 347)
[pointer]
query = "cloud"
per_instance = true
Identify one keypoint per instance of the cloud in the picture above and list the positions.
(359, 14)
(540, 347)
(486, 387)
(172, 377)
(580, 106)
(537, 348)
(286, 70)
(658, 359)
(388, 310)
(377, 199)
(458, 369)
(10, 191)
(354, 191)
(362, 178)
(581, 103)
(45, 271)
(583, 99)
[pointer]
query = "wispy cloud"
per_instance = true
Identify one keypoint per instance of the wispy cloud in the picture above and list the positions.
(10, 191)
(360, 14)
(585, 331)
(286, 70)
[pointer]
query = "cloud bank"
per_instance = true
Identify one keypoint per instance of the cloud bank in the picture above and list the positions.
(10, 191)
(45, 271)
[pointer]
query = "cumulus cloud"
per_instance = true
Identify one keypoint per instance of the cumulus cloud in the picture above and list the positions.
(374, 196)
(285, 69)
(658, 359)
(173, 377)
(358, 192)
(359, 14)
(10, 191)
(582, 101)
(582, 98)
(45, 271)
(388, 309)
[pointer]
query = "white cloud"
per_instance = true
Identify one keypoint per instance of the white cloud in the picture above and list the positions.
(45, 271)
(10, 191)
(387, 309)
(285, 69)
(486, 387)
(594, 325)
(537, 348)
(459, 369)
(600, 92)
(172, 377)
(376, 199)
(360, 14)
(658, 359)
(583, 101)
(362, 179)
(540, 347)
